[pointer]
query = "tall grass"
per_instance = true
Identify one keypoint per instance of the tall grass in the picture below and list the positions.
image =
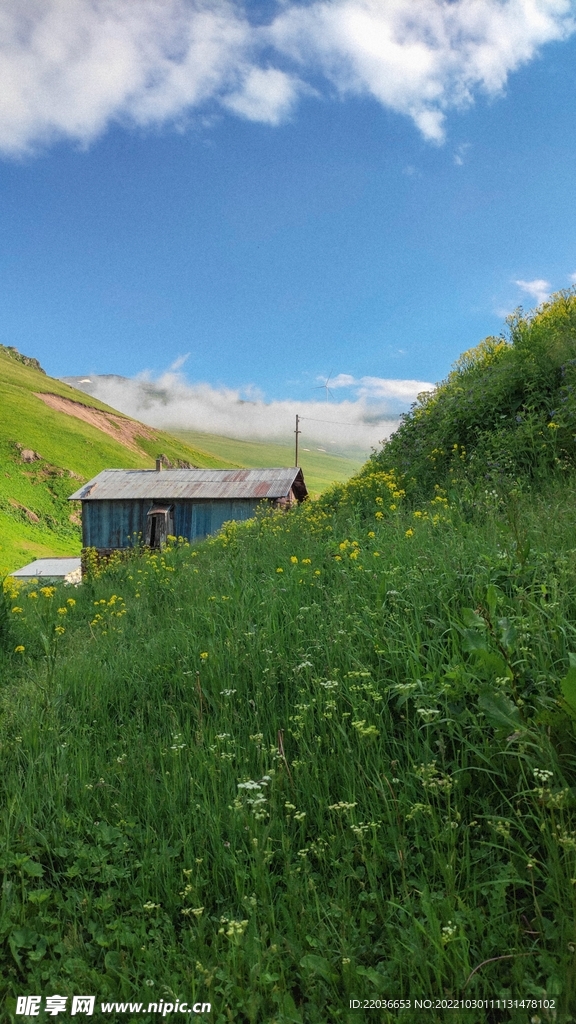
(320, 758)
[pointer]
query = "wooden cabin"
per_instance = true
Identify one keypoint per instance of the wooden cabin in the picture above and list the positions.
(124, 507)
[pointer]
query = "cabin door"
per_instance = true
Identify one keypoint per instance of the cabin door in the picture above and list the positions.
(159, 526)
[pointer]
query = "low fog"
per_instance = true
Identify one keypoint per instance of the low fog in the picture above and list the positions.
(170, 402)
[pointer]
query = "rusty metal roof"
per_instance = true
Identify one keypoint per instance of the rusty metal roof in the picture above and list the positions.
(192, 484)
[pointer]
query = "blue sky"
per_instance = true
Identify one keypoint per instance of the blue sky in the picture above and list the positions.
(282, 192)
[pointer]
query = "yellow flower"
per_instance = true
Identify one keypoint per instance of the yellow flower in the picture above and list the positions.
(306, 561)
(371, 534)
(59, 630)
(62, 611)
(317, 573)
(378, 515)
(409, 533)
(48, 591)
(20, 649)
(71, 602)
(553, 426)
(204, 655)
(293, 559)
(279, 570)
(16, 611)
(33, 594)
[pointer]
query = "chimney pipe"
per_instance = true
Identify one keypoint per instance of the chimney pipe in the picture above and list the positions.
(158, 464)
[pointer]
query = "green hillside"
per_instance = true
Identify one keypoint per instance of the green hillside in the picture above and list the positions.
(321, 469)
(45, 453)
(328, 757)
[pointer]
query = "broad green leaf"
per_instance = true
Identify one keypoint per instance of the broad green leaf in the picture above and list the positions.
(318, 965)
(472, 641)
(377, 979)
(492, 600)
(500, 711)
(113, 960)
(492, 663)
(568, 687)
(33, 869)
(509, 634)
(471, 619)
(24, 937)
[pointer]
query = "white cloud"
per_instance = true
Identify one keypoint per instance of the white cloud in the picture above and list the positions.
(539, 289)
(419, 58)
(572, 277)
(460, 153)
(71, 67)
(171, 402)
(402, 391)
(265, 95)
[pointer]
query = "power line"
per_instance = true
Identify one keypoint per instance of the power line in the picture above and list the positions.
(345, 423)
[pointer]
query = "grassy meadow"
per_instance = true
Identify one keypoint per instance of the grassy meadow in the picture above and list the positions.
(321, 468)
(328, 755)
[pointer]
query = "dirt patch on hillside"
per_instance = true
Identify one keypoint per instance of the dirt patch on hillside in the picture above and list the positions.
(30, 515)
(125, 431)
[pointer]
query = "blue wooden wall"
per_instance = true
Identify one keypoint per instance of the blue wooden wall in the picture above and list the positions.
(121, 523)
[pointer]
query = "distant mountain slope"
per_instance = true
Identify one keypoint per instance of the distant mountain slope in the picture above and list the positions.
(320, 468)
(51, 437)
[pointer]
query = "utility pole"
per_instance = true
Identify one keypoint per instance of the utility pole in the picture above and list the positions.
(297, 431)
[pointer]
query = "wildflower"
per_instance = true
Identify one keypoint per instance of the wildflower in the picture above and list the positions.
(59, 630)
(553, 426)
(365, 730)
(378, 515)
(371, 534)
(317, 572)
(151, 906)
(448, 932)
(409, 533)
(33, 594)
(306, 561)
(428, 714)
(204, 655)
(279, 570)
(71, 602)
(293, 559)
(62, 611)
(16, 611)
(48, 591)
(20, 649)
